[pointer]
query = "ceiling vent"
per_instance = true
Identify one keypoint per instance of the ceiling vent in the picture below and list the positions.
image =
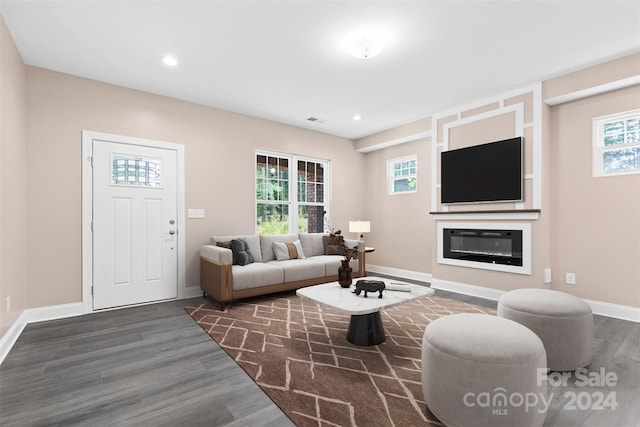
(316, 120)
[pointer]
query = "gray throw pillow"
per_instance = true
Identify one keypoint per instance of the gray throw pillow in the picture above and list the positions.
(241, 253)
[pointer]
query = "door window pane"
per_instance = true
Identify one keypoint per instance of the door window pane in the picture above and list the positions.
(135, 171)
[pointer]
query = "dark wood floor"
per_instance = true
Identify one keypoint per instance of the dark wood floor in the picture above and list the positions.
(154, 366)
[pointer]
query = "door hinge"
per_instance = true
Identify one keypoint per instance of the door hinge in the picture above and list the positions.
(91, 160)
(91, 290)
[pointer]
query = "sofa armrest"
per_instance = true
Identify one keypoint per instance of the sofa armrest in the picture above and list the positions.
(217, 254)
(216, 279)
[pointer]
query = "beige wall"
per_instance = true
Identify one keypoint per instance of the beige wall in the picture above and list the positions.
(596, 221)
(399, 230)
(12, 181)
(219, 153)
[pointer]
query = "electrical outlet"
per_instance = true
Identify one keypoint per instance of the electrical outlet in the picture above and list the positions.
(8, 304)
(571, 278)
(547, 275)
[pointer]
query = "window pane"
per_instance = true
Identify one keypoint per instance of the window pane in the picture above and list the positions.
(633, 124)
(311, 192)
(633, 137)
(310, 219)
(272, 219)
(319, 193)
(140, 172)
(319, 172)
(613, 127)
(614, 139)
(403, 185)
(622, 160)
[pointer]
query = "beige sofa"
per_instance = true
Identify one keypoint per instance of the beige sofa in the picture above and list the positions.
(224, 281)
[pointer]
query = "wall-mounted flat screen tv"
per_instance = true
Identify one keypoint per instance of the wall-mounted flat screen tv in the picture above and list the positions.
(484, 173)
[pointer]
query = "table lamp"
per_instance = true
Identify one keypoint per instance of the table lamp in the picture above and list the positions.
(360, 227)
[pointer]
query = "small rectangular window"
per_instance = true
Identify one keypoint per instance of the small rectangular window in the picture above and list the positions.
(616, 144)
(135, 171)
(402, 174)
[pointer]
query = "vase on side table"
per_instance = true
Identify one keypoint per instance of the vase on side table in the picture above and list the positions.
(344, 274)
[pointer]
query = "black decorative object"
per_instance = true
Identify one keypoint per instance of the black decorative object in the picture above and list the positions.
(369, 286)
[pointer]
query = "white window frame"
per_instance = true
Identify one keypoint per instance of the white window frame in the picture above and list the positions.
(293, 202)
(598, 142)
(391, 178)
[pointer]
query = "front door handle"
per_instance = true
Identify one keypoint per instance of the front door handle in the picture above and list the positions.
(172, 232)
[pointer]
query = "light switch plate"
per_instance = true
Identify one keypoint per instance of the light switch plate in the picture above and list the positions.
(195, 213)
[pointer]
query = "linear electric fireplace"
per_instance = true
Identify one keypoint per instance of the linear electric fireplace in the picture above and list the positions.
(502, 247)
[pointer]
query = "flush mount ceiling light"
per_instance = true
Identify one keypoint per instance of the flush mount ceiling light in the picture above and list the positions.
(169, 60)
(366, 42)
(367, 48)
(357, 117)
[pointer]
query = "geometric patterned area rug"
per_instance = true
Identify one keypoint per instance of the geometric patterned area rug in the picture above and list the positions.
(297, 352)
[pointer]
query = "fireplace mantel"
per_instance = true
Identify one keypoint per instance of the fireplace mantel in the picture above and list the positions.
(517, 214)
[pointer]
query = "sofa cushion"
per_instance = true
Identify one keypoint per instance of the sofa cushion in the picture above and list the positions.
(256, 275)
(266, 244)
(253, 240)
(284, 251)
(312, 243)
(300, 269)
(241, 252)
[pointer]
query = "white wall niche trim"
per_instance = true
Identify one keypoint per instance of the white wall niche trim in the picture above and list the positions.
(526, 246)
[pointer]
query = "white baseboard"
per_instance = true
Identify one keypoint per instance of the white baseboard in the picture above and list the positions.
(465, 289)
(405, 274)
(617, 311)
(11, 336)
(34, 315)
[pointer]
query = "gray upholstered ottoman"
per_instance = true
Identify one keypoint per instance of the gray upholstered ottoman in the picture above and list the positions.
(563, 322)
(481, 370)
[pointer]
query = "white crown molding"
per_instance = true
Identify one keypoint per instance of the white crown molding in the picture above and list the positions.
(591, 91)
(394, 142)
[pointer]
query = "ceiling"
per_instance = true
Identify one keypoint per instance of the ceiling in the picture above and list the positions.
(287, 61)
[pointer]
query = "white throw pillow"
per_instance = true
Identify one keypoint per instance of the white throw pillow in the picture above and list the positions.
(284, 251)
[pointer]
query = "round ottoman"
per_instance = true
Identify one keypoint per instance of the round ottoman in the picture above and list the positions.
(563, 322)
(481, 370)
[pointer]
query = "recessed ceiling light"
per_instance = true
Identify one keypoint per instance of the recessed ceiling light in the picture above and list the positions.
(357, 117)
(169, 60)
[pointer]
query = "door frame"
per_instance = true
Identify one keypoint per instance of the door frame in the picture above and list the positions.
(87, 208)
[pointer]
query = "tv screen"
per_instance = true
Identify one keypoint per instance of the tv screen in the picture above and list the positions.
(483, 173)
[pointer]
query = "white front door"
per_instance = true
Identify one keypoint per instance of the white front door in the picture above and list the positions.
(135, 254)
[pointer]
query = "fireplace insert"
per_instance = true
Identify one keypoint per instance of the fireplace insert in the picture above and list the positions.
(483, 245)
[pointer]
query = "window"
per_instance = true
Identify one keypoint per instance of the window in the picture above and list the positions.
(135, 171)
(290, 200)
(616, 144)
(402, 174)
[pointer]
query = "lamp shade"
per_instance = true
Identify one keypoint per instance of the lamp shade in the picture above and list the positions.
(359, 226)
